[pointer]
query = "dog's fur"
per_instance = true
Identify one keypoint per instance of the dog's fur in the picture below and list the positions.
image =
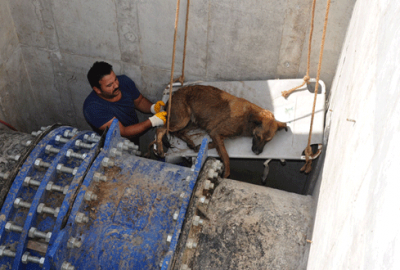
(221, 115)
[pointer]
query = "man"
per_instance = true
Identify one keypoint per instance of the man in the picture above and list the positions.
(117, 97)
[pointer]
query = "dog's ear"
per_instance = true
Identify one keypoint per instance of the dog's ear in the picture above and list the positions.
(281, 125)
(255, 119)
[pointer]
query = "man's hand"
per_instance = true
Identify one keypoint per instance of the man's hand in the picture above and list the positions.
(158, 119)
(157, 107)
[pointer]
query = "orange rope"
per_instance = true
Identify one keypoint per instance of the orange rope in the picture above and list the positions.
(173, 64)
(308, 152)
(306, 78)
(182, 77)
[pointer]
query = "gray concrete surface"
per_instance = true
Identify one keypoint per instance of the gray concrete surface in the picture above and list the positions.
(245, 226)
(50, 45)
(358, 212)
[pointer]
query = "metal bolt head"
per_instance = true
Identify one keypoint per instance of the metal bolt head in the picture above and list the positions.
(65, 190)
(2, 249)
(40, 207)
(8, 226)
(48, 237)
(67, 266)
(32, 232)
(41, 261)
(24, 258)
(6, 175)
(56, 211)
(69, 152)
(169, 238)
(81, 218)
(49, 185)
(37, 162)
(17, 201)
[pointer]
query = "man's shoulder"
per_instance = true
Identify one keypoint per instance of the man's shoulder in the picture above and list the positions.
(92, 100)
(124, 79)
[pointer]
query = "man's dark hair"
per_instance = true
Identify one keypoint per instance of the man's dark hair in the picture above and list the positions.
(97, 72)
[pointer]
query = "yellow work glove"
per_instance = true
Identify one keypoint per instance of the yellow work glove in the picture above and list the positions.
(158, 119)
(157, 107)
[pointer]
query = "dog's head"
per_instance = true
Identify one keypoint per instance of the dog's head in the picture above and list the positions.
(264, 128)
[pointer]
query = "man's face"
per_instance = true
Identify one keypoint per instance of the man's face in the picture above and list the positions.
(109, 86)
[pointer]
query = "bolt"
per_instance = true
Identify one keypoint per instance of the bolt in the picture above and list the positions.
(197, 221)
(50, 149)
(11, 227)
(39, 163)
(51, 187)
(106, 162)
(91, 138)
(122, 147)
(60, 139)
(4, 175)
(36, 133)
(114, 152)
(61, 168)
(71, 154)
(81, 217)
(212, 174)
(188, 178)
(191, 243)
(217, 165)
(182, 195)
(90, 196)
(176, 215)
(6, 252)
(33, 259)
(16, 157)
(28, 181)
(42, 208)
(208, 185)
(70, 133)
(136, 153)
(20, 203)
(169, 238)
(27, 143)
(44, 128)
(204, 200)
(67, 266)
(73, 243)
(81, 144)
(131, 145)
(35, 233)
(99, 177)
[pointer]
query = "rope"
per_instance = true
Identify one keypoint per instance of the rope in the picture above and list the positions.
(173, 64)
(308, 151)
(8, 125)
(306, 78)
(181, 79)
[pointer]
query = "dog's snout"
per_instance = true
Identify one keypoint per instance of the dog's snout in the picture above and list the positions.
(256, 150)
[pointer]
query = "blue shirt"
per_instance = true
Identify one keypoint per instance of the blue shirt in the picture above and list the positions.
(98, 111)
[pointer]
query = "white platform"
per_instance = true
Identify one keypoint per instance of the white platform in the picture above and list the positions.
(295, 111)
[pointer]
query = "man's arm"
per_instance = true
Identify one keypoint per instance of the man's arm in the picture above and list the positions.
(142, 104)
(132, 130)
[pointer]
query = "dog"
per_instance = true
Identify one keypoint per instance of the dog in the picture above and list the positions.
(221, 115)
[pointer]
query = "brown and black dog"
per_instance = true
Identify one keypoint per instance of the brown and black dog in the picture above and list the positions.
(221, 115)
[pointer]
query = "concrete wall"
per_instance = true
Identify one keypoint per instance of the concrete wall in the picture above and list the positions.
(17, 105)
(228, 40)
(358, 214)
